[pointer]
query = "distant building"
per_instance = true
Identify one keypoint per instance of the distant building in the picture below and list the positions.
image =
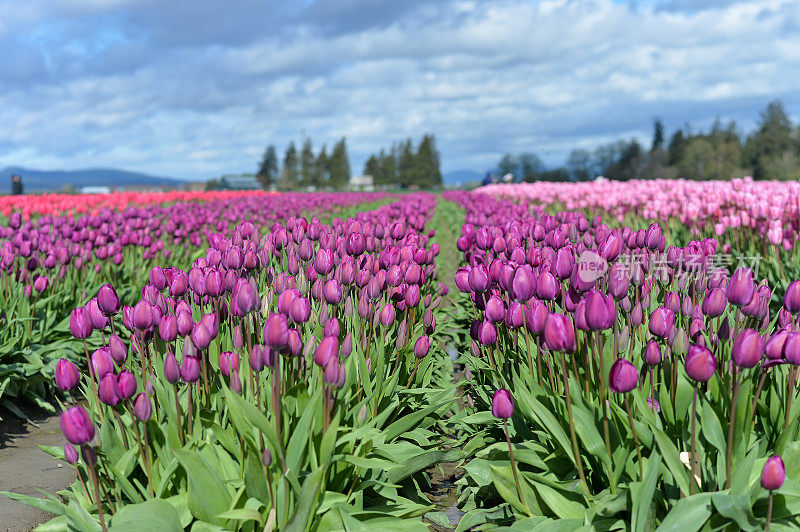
(364, 183)
(95, 190)
(239, 183)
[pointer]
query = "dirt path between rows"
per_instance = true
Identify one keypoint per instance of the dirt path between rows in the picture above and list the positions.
(24, 468)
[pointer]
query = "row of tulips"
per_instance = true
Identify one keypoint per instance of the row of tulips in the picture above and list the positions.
(50, 261)
(285, 381)
(633, 394)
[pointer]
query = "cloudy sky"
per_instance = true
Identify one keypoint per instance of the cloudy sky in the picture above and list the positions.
(196, 88)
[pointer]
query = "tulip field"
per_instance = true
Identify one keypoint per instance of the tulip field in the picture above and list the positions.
(546, 356)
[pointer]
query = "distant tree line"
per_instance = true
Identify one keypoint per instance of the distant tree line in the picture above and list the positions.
(404, 166)
(772, 151)
(299, 171)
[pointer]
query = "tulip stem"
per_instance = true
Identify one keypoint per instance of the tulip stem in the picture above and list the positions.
(121, 429)
(635, 437)
(411, 379)
(692, 458)
(729, 452)
(178, 417)
(603, 405)
(789, 394)
(145, 458)
(90, 458)
(769, 511)
(514, 468)
(92, 379)
(191, 408)
(575, 450)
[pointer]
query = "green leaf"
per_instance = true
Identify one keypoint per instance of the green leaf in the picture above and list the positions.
(643, 497)
(242, 514)
(672, 459)
(735, 507)
(155, 514)
(307, 502)
(688, 515)
(208, 496)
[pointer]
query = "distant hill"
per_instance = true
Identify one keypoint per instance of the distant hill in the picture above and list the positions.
(57, 180)
(461, 176)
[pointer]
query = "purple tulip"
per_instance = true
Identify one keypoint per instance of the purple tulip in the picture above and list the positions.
(741, 287)
(70, 454)
(652, 353)
(200, 337)
(748, 348)
(502, 404)
(700, 363)
(190, 369)
(76, 425)
(80, 323)
(107, 300)
(171, 370)
(791, 299)
(142, 407)
(327, 349)
(623, 376)
(422, 346)
(107, 391)
(559, 333)
(276, 331)
(67, 375)
(662, 320)
(774, 473)
(126, 385)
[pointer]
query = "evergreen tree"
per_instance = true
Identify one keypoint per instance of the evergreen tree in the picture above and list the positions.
(658, 135)
(388, 166)
(405, 165)
(677, 145)
(772, 149)
(339, 165)
(509, 164)
(530, 165)
(579, 164)
(322, 174)
(268, 171)
(427, 163)
(308, 166)
(289, 173)
(373, 168)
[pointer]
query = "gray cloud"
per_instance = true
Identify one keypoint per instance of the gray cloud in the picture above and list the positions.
(199, 88)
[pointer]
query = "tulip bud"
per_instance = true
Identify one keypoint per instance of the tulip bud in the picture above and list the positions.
(741, 287)
(266, 458)
(623, 376)
(422, 346)
(107, 300)
(102, 363)
(80, 323)
(190, 369)
(126, 385)
(748, 348)
(107, 391)
(661, 321)
(791, 350)
(171, 370)
(67, 375)
(327, 349)
(276, 331)
(142, 407)
(236, 382)
(77, 425)
(700, 363)
(559, 333)
(652, 353)
(774, 473)
(791, 299)
(502, 404)
(70, 454)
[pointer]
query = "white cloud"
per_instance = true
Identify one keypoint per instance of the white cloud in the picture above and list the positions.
(197, 92)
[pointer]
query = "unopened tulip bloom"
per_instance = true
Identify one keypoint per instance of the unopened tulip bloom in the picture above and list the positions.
(327, 349)
(80, 323)
(741, 287)
(171, 370)
(748, 348)
(652, 353)
(70, 454)
(190, 369)
(774, 473)
(77, 425)
(623, 376)
(422, 346)
(791, 299)
(661, 322)
(107, 300)
(126, 384)
(559, 333)
(142, 407)
(67, 376)
(502, 404)
(700, 363)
